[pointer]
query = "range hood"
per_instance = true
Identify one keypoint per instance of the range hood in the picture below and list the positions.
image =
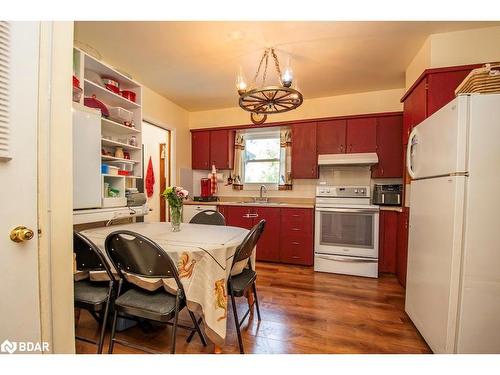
(368, 158)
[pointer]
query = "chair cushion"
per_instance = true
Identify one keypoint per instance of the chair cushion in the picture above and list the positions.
(242, 281)
(90, 292)
(158, 302)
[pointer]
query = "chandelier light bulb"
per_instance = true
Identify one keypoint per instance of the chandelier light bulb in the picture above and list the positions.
(287, 76)
(241, 82)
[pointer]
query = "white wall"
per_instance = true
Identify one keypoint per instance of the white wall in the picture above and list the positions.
(465, 47)
(350, 104)
(152, 137)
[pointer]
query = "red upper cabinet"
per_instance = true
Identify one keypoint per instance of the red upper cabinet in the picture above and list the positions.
(304, 156)
(430, 92)
(222, 148)
(200, 150)
(414, 109)
(441, 88)
(212, 147)
(331, 136)
(361, 135)
(389, 147)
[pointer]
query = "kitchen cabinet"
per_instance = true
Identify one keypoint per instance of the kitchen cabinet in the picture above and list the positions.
(430, 92)
(222, 148)
(388, 241)
(304, 155)
(239, 216)
(402, 246)
(288, 234)
(361, 135)
(331, 136)
(200, 150)
(268, 247)
(297, 234)
(246, 217)
(212, 147)
(389, 148)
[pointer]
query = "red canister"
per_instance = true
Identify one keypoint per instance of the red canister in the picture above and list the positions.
(127, 94)
(206, 187)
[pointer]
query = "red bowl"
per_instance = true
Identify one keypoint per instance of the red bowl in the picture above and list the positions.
(94, 103)
(130, 95)
(111, 85)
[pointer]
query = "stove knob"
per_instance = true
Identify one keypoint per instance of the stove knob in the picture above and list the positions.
(328, 191)
(355, 191)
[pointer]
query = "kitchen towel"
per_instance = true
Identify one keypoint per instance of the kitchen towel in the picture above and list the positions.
(150, 179)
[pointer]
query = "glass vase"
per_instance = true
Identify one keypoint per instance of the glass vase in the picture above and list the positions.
(176, 218)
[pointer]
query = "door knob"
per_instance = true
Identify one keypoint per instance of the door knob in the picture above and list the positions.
(21, 233)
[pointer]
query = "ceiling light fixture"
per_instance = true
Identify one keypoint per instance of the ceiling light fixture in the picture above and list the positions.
(266, 100)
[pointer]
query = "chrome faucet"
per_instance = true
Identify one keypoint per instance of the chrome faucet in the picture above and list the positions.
(261, 198)
(262, 189)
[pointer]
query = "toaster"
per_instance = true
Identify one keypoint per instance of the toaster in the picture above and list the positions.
(387, 195)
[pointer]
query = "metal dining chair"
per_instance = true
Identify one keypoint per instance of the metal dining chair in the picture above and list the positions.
(135, 254)
(208, 217)
(240, 284)
(95, 297)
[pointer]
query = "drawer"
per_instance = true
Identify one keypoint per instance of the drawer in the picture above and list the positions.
(297, 250)
(297, 219)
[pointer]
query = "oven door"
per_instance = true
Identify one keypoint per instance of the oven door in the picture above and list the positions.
(347, 231)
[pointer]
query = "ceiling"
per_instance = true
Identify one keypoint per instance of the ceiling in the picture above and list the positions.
(194, 64)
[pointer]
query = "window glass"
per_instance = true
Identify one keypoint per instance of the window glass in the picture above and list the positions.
(262, 160)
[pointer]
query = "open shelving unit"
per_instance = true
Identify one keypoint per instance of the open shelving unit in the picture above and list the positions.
(114, 134)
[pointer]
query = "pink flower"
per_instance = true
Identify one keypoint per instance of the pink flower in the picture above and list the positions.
(185, 192)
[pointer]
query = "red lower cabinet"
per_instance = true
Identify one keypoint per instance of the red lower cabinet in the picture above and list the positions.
(402, 247)
(268, 247)
(388, 241)
(288, 234)
(297, 236)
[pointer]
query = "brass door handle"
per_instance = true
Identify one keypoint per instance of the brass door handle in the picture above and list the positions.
(21, 233)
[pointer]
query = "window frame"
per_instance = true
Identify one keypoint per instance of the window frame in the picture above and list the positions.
(270, 134)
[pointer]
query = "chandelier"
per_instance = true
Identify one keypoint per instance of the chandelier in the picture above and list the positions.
(265, 100)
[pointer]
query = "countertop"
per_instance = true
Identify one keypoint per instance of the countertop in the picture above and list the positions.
(273, 202)
(247, 201)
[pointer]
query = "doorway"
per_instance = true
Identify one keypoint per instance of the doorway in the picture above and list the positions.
(156, 143)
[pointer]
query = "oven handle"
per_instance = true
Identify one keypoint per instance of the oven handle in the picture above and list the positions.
(349, 210)
(346, 260)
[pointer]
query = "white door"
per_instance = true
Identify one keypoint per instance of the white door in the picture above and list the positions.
(438, 145)
(434, 256)
(19, 286)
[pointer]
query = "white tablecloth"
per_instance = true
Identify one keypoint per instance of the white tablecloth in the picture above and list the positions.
(203, 253)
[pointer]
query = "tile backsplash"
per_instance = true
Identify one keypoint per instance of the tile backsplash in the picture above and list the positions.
(328, 175)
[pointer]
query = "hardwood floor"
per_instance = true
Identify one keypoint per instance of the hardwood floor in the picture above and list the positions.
(302, 312)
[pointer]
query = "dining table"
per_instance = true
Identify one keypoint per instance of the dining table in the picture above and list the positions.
(204, 256)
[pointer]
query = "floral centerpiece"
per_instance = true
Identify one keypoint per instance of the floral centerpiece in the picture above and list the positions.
(175, 195)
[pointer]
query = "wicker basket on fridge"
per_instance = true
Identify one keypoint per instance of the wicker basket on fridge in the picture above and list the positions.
(482, 80)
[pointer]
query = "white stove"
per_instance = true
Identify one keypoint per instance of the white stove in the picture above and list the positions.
(346, 231)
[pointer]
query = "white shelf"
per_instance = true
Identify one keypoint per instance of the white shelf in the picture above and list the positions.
(115, 127)
(121, 160)
(106, 70)
(109, 142)
(119, 176)
(106, 96)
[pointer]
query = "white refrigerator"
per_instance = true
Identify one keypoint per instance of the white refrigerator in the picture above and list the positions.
(453, 279)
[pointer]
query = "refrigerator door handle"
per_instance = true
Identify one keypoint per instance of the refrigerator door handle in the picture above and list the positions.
(410, 151)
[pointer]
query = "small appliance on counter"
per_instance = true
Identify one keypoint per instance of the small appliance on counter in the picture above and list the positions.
(387, 195)
(211, 198)
(206, 185)
(134, 198)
